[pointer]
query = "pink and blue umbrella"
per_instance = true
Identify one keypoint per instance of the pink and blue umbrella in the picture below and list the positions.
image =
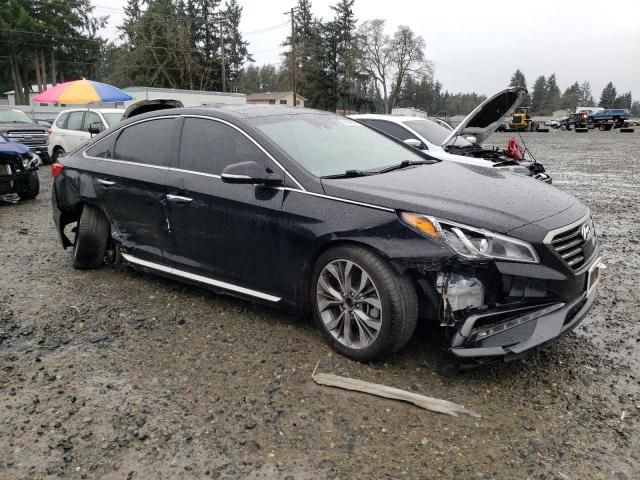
(81, 92)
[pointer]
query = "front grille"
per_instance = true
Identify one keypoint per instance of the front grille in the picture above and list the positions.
(30, 138)
(571, 245)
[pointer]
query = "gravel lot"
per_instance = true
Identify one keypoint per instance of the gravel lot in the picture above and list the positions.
(116, 374)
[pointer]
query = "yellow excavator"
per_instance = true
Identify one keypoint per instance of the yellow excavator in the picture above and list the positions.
(522, 121)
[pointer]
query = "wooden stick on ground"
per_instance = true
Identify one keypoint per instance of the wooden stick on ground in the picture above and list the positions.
(422, 401)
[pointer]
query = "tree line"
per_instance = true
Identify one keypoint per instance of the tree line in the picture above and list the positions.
(341, 63)
(47, 41)
(546, 97)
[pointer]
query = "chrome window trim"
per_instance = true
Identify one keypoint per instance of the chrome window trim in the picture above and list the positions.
(120, 130)
(200, 278)
(127, 162)
(193, 172)
(253, 140)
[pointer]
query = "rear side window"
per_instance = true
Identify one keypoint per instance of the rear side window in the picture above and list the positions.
(75, 121)
(390, 129)
(104, 148)
(208, 146)
(92, 120)
(61, 122)
(150, 142)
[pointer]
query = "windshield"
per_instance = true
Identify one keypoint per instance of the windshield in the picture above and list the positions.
(112, 118)
(435, 133)
(330, 145)
(14, 116)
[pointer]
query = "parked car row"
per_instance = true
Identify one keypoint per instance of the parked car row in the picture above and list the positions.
(359, 226)
(462, 144)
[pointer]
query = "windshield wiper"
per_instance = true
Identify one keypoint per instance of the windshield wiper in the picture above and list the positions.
(350, 174)
(405, 164)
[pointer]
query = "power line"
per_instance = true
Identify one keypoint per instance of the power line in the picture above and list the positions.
(174, 17)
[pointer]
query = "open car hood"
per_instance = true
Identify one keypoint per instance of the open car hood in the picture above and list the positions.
(486, 117)
(145, 106)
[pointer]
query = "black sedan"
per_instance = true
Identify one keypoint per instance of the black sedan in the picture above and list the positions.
(321, 215)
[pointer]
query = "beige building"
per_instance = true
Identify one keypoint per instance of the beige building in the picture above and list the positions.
(275, 98)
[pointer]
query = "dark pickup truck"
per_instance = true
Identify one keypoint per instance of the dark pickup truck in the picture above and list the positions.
(610, 118)
(17, 126)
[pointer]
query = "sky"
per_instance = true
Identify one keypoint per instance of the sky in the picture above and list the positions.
(476, 46)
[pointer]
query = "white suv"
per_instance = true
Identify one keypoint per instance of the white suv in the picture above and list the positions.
(73, 127)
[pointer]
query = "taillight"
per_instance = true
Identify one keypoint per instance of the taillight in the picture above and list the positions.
(49, 131)
(56, 169)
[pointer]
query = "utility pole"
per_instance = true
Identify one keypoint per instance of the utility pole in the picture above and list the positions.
(224, 72)
(294, 62)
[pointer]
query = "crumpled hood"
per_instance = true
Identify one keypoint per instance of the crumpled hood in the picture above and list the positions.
(485, 118)
(476, 196)
(12, 150)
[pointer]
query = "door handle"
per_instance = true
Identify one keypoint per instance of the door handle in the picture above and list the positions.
(106, 183)
(179, 199)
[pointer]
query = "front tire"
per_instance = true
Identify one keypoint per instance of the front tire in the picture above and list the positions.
(92, 236)
(364, 308)
(30, 188)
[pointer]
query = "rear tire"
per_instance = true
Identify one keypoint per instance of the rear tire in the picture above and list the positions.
(92, 235)
(393, 323)
(30, 188)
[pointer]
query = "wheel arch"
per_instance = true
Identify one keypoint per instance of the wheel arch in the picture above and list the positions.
(307, 270)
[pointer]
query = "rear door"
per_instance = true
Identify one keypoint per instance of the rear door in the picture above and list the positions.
(74, 134)
(226, 232)
(131, 187)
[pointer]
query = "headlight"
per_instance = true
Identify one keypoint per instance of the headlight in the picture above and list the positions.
(31, 160)
(471, 242)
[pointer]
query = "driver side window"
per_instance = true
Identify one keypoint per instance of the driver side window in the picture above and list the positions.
(209, 146)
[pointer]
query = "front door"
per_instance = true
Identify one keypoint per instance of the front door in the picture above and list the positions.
(225, 232)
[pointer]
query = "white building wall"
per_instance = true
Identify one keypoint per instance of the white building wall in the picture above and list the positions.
(189, 98)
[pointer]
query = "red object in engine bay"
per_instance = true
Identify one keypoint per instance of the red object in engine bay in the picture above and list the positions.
(514, 150)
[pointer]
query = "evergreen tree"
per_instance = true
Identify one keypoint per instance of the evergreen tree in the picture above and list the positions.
(623, 101)
(346, 52)
(571, 97)
(236, 49)
(553, 99)
(586, 97)
(608, 96)
(539, 94)
(517, 79)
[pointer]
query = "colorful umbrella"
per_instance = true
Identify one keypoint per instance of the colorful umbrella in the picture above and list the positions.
(80, 92)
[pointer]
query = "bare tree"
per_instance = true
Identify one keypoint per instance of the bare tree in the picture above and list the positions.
(377, 57)
(407, 58)
(389, 60)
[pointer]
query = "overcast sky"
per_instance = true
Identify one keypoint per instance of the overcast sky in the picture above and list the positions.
(476, 46)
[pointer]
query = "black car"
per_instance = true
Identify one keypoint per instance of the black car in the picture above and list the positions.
(18, 170)
(319, 214)
(17, 126)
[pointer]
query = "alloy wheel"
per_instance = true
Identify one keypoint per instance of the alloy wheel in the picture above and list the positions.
(349, 304)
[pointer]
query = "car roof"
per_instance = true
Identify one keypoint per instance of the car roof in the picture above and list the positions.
(391, 118)
(240, 111)
(101, 110)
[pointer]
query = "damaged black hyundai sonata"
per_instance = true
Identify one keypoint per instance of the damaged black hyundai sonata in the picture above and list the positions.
(321, 215)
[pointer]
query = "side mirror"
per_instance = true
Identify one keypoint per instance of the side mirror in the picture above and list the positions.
(415, 143)
(95, 128)
(250, 173)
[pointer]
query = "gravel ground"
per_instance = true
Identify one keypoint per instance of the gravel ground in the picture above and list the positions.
(116, 374)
